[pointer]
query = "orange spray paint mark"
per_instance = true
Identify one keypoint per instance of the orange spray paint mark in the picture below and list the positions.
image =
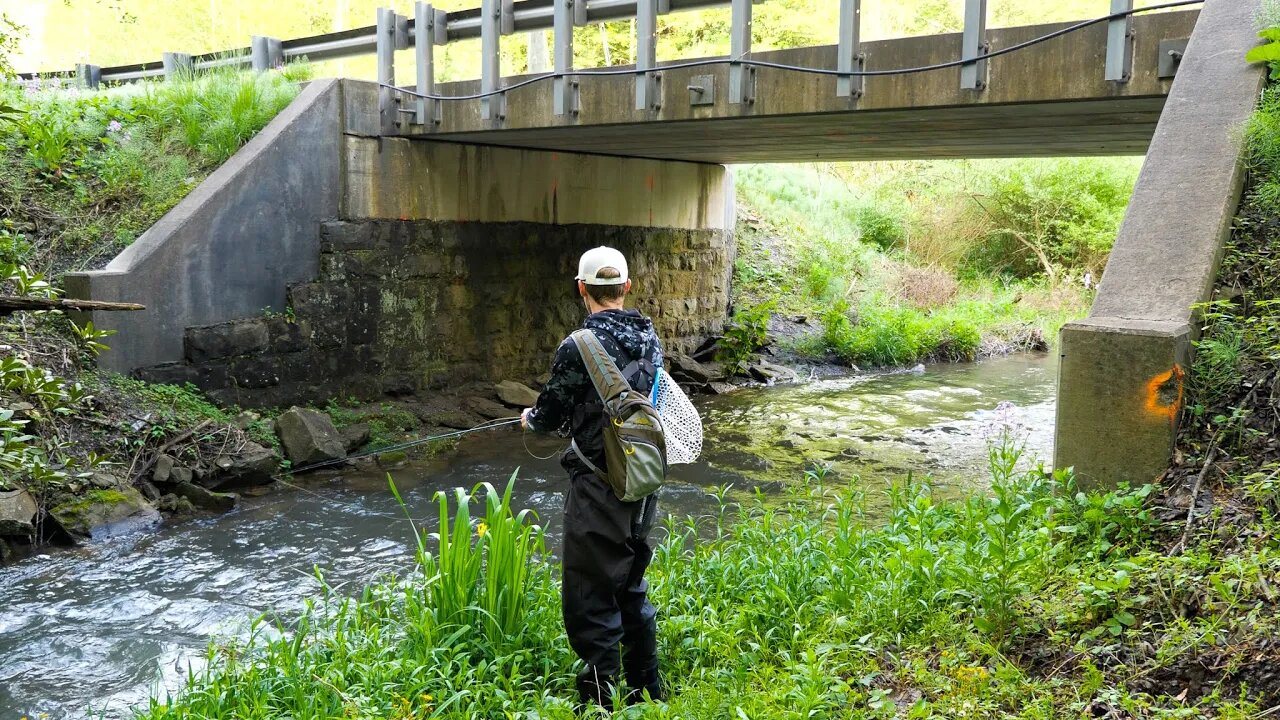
(1164, 394)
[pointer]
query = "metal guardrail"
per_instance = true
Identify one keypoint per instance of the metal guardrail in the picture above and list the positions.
(431, 27)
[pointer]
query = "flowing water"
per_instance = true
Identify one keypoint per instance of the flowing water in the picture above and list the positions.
(92, 631)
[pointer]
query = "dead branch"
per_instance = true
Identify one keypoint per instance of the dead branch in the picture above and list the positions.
(11, 304)
(1195, 496)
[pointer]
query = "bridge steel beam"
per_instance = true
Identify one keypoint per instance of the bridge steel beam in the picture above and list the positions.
(1120, 387)
(1049, 99)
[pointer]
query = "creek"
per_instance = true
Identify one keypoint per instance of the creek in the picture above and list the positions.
(92, 631)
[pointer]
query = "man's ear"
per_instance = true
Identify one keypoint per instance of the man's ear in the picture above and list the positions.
(582, 289)
(626, 287)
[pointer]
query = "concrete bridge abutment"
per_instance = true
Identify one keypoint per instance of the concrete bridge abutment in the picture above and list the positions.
(418, 265)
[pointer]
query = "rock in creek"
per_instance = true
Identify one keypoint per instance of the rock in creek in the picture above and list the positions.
(309, 437)
(515, 394)
(163, 469)
(205, 499)
(721, 388)
(252, 465)
(103, 513)
(355, 436)
(447, 418)
(687, 370)
(17, 513)
(765, 371)
(486, 408)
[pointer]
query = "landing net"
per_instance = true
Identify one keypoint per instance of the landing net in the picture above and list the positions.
(680, 421)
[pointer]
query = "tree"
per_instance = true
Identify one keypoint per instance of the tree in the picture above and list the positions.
(10, 33)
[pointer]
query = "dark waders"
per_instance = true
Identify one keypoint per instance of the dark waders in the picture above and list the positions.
(604, 593)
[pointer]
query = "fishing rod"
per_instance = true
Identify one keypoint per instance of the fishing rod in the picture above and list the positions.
(489, 425)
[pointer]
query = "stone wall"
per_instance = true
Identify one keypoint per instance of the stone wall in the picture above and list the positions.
(404, 307)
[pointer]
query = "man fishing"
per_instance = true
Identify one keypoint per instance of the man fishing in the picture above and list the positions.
(606, 550)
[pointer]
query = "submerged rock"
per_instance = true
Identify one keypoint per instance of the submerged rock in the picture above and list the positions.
(103, 513)
(516, 394)
(17, 513)
(308, 436)
(721, 388)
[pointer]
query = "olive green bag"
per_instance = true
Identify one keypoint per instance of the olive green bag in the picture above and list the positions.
(635, 447)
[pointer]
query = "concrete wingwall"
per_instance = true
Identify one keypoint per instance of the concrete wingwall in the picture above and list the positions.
(1122, 372)
(405, 265)
(232, 246)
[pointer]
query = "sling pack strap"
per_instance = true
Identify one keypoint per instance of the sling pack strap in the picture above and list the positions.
(604, 372)
(573, 445)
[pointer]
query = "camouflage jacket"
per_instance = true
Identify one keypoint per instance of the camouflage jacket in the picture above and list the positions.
(569, 402)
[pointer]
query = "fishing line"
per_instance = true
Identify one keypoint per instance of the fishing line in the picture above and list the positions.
(744, 61)
(525, 439)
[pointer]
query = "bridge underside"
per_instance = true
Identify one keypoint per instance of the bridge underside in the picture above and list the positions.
(1049, 99)
(1106, 127)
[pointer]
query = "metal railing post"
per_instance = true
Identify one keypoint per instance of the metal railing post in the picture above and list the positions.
(89, 76)
(386, 58)
(428, 31)
(1120, 42)
(265, 53)
(741, 77)
(973, 74)
(849, 52)
(647, 93)
(493, 18)
(564, 91)
(176, 64)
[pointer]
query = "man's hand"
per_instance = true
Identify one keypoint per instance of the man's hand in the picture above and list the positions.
(524, 418)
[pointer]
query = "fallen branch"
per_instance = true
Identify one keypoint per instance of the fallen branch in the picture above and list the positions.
(11, 304)
(1195, 496)
(181, 437)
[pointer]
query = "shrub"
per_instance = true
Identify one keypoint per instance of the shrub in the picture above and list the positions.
(880, 227)
(888, 335)
(924, 288)
(1045, 217)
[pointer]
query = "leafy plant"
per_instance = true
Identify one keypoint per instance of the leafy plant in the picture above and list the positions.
(89, 337)
(746, 334)
(1268, 53)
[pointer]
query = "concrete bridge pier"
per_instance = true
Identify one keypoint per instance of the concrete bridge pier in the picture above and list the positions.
(1123, 372)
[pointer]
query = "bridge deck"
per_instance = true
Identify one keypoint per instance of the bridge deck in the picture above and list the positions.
(1050, 99)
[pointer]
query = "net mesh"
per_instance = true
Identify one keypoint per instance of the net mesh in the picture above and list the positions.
(680, 421)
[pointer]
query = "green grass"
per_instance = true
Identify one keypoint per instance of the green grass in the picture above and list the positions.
(1034, 602)
(83, 174)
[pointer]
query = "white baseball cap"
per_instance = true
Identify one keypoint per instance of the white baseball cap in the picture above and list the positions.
(597, 259)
